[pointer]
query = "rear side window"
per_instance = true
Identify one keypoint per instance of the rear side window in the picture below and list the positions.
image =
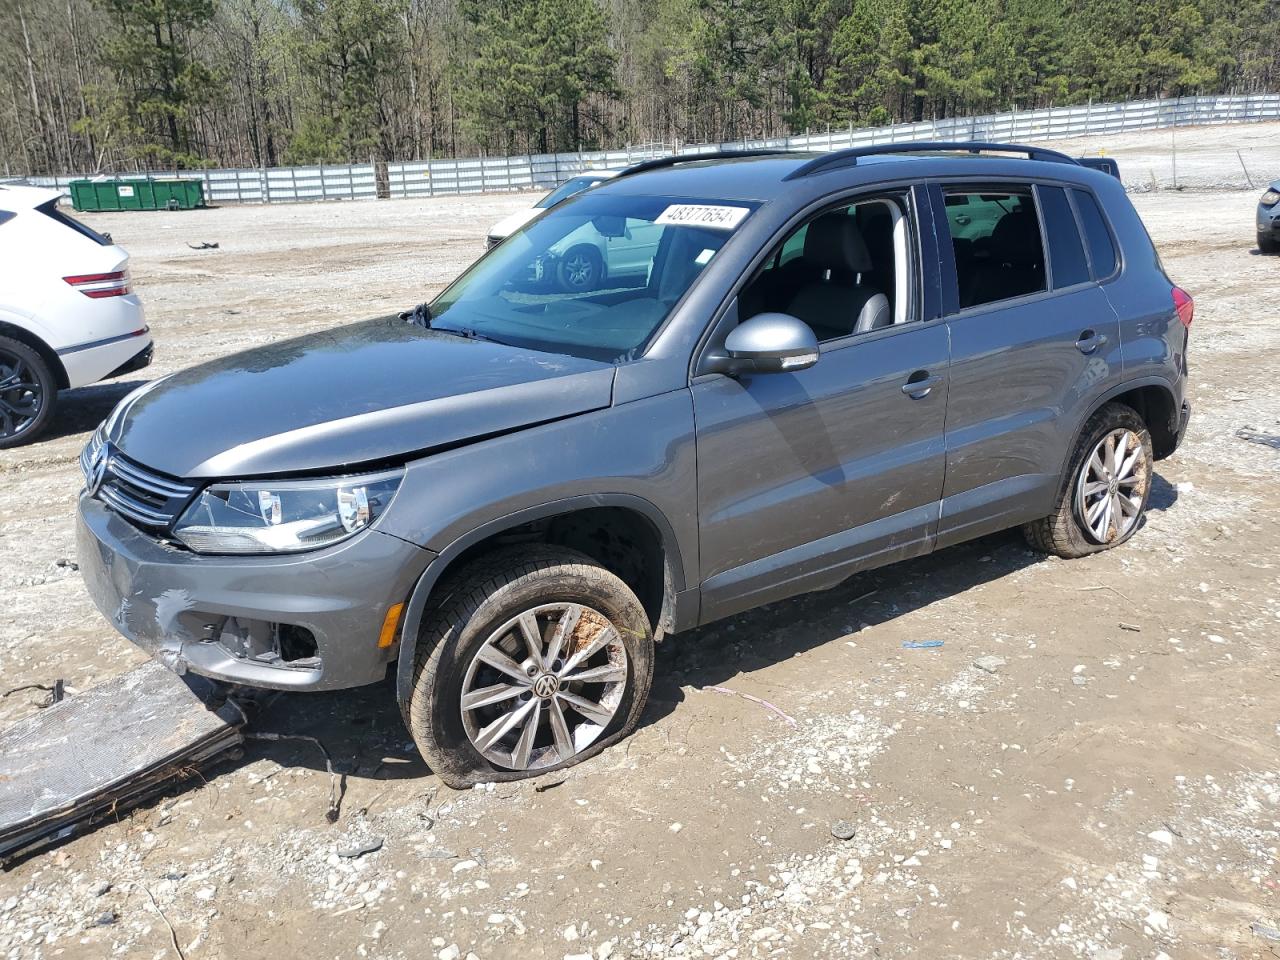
(1102, 251)
(50, 209)
(6, 216)
(996, 238)
(1066, 252)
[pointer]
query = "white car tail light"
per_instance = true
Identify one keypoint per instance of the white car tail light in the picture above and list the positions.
(99, 285)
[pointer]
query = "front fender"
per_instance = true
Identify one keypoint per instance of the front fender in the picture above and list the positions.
(639, 456)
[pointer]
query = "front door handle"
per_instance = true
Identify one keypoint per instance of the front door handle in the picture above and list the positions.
(1090, 341)
(919, 384)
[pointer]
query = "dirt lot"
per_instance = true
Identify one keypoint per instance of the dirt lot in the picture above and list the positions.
(1111, 790)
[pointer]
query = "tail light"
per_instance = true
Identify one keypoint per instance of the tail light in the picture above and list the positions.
(99, 285)
(1184, 305)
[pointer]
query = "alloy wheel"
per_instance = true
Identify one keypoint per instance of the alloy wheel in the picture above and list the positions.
(21, 395)
(579, 271)
(1112, 486)
(544, 686)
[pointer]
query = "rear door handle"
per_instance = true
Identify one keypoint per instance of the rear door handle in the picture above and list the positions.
(1090, 341)
(919, 384)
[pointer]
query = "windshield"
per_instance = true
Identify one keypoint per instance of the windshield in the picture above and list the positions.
(593, 278)
(567, 190)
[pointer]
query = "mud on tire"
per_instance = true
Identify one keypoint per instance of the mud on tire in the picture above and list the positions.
(527, 589)
(1067, 532)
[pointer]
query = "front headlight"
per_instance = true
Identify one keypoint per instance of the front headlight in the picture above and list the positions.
(283, 516)
(1270, 197)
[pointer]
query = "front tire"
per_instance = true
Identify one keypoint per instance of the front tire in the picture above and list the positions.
(580, 270)
(1104, 494)
(28, 393)
(1268, 244)
(536, 659)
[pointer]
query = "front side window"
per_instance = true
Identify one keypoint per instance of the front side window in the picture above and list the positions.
(843, 272)
(594, 277)
(996, 239)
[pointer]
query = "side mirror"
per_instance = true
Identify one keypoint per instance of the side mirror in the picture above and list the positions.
(768, 343)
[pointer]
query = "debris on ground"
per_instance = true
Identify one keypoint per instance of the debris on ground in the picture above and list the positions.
(56, 693)
(335, 781)
(203, 245)
(989, 664)
(1265, 932)
(1255, 436)
(134, 736)
(843, 830)
(746, 696)
(921, 644)
(360, 849)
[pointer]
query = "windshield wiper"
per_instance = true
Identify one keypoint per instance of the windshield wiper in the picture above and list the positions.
(469, 334)
(420, 315)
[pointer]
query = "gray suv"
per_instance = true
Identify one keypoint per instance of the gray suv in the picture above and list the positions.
(509, 495)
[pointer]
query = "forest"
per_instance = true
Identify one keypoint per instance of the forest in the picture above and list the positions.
(123, 85)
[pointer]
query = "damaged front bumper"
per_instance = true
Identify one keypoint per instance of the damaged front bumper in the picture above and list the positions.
(304, 621)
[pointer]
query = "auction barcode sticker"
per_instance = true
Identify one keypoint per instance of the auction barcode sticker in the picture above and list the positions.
(698, 215)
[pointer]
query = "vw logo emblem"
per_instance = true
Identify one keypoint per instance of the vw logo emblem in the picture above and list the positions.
(97, 471)
(546, 686)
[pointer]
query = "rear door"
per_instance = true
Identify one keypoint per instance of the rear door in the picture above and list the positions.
(1034, 341)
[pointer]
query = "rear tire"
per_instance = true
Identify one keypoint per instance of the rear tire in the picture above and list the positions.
(28, 393)
(526, 716)
(1268, 244)
(1104, 494)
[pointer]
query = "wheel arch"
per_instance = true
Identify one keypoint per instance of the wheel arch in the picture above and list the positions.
(663, 576)
(1152, 399)
(47, 353)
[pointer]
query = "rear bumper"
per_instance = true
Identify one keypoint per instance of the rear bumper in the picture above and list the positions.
(245, 620)
(138, 361)
(103, 336)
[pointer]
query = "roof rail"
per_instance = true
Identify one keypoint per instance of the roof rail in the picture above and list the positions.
(670, 161)
(850, 157)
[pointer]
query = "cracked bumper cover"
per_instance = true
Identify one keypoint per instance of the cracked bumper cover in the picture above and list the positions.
(170, 601)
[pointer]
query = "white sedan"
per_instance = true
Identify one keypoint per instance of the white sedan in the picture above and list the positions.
(68, 313)
(574, 185)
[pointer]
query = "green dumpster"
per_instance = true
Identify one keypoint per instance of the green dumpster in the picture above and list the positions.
(137, 194)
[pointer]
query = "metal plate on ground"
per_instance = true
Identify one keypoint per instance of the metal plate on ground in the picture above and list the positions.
(106, 749)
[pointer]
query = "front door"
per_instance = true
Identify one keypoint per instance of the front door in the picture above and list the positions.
(805, 477)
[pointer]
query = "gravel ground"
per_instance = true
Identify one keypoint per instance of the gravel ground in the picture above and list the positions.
(1085, 768)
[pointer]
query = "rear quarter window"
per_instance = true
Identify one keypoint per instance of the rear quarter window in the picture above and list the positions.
(1066, 251)
(6, 216)
(1102, 249)
(50, 209)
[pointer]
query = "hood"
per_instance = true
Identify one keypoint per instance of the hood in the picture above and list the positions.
(368, 392)
(513, 222)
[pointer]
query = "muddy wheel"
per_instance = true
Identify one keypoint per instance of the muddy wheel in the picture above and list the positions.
(1268, 244)
(536, 659)
(1104, 494)
(28, 392)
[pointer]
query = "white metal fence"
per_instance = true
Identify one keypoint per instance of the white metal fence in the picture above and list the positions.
(429, 178)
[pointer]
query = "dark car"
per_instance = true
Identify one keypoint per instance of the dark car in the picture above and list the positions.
(509, 495)
(1269, 219)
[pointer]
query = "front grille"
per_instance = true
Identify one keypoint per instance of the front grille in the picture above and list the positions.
(134, 492)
